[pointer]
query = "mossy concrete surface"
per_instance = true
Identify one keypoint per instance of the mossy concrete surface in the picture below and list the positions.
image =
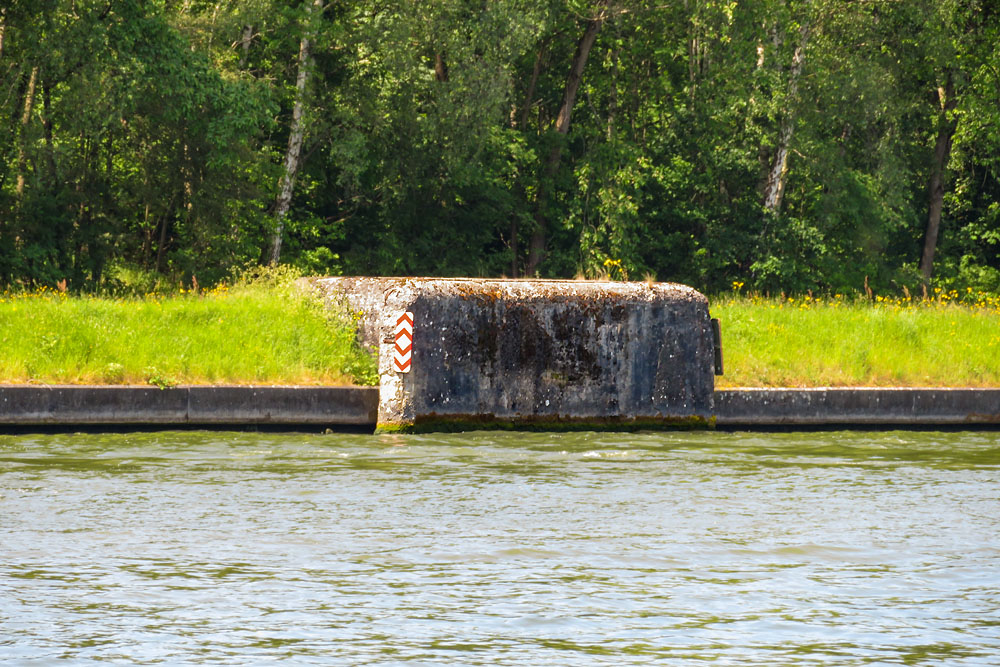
(531, 352)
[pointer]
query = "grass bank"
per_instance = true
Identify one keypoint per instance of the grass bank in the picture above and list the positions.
(950, 341)
(267, 331)
(261, 332)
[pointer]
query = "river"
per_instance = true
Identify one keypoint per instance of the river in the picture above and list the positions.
(834, 548)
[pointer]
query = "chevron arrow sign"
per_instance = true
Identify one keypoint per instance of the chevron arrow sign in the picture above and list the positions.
(403, 349)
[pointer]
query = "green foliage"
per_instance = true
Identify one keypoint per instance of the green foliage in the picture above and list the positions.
(159, 379)
(146, 140)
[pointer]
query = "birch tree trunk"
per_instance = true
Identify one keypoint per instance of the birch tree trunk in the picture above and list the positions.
(294, 152)
(245, 40)
(536, 251)
(942, 150)
(22, 160)
(3, 26)
(774, 189)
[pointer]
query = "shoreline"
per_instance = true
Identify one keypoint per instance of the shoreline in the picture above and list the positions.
(287, 407)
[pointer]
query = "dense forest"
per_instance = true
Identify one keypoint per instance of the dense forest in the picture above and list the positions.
(788, 145)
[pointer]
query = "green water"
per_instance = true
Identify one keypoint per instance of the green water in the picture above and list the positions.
(501, 549)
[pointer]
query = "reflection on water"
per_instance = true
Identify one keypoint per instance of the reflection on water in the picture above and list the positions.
(510, 549)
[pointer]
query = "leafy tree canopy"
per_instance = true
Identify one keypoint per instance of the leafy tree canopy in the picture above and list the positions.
(790, 145)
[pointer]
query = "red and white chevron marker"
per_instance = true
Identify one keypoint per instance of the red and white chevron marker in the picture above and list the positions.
(403, 349)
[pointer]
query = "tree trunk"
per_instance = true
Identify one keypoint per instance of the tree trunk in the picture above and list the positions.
(187, 199)
(613, 100)
(942, 150)
(440, 68)
(576, 69)
(529, 96)
(522, 124)
(3, 26)
(161, 249)
(536, 251)
(774, 190)
(22, 159)
(295, 137)
(245, 45)
(147, 240)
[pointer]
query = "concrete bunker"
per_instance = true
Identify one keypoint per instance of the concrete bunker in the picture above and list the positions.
(536, 353)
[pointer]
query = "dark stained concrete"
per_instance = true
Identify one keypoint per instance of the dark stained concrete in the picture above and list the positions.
(545, 353)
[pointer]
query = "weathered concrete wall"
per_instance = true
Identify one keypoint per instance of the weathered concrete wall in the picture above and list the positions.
(189, 405)
(868, 406)
(22, 406)
(552, 353)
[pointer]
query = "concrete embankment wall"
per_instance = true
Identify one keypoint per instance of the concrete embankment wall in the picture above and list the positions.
(856, 407)
(69, 405)
(735, 409)
(535, 352)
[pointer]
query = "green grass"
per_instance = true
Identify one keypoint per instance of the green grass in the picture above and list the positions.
(952, 341)
(269, 332)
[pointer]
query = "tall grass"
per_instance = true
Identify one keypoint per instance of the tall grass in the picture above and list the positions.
(951, 340)
(264, 331)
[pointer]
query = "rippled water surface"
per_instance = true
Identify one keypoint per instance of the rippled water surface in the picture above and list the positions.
(501, 549)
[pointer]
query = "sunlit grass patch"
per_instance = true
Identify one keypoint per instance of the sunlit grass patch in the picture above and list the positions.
(261, 332)
(952, 339)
